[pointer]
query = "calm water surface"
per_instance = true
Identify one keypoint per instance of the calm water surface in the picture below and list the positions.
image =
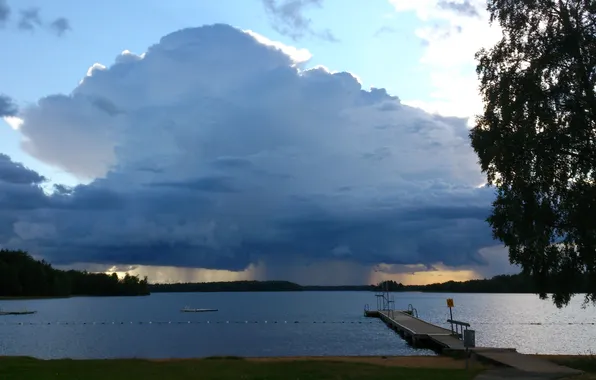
(279, 324)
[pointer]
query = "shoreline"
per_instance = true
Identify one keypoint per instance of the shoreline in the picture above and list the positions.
(352, 358)
(420, 367)
(230, 368)
(418, 361)
(6, 298)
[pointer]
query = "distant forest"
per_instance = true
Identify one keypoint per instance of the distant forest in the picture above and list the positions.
(247, 286)
(23, 276)
(517, 283)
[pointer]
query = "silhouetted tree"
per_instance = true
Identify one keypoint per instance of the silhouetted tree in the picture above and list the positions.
(391, 286)
(536, 139)
(21, 275)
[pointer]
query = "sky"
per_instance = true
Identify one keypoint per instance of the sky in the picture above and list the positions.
(316, 141)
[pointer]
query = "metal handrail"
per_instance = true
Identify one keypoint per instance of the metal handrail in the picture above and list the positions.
(460, 323)
(412, 310)
(459, 327)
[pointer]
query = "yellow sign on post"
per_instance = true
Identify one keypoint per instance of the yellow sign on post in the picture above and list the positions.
(450, 302)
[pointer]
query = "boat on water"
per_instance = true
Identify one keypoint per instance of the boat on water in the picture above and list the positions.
(2, 312)
(192, 310)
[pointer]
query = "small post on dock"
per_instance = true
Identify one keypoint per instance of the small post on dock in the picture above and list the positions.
(469, 341)
(450, 305)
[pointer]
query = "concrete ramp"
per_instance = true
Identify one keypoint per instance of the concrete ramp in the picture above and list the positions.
(526, 363)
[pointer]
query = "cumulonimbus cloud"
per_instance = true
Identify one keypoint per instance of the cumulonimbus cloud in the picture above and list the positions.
(215, 150)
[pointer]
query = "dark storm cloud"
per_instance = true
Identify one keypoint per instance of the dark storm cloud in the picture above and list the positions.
(464, 8)
(7, 106)
(415, 235)
(207, 184)
(15, 173)
(30, 20)
(216, 150)
(232, 163)
(60, 26)
(4, 12)
(20, 196)
(84, 197)
(288, 18)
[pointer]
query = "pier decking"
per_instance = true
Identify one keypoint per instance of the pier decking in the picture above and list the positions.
(424, 334)
(417, 331)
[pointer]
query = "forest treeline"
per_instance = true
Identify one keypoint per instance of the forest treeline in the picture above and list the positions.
(248, 286)
(23, 276)
(231, 286)
(517, 283)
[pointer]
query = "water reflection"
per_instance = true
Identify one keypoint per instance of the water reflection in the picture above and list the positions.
(88, 327)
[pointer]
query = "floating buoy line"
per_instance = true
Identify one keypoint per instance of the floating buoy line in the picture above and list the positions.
(252, 322)
(537, 323)
(12, 323)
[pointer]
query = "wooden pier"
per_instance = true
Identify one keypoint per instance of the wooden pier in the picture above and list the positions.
(420, 333)
(417, 332)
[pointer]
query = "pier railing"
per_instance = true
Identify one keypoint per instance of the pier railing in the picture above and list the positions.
(459, 327)
(412, 311)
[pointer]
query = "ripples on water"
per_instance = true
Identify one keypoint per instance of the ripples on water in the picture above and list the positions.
(279, 324)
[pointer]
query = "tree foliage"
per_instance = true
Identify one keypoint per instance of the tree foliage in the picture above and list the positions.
(536, 139)
(392, 286)
(23, 276)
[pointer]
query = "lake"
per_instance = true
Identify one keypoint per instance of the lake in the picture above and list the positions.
(279, 324)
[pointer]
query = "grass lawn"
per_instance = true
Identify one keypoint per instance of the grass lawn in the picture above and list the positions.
(20, 368)
(586, 363)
